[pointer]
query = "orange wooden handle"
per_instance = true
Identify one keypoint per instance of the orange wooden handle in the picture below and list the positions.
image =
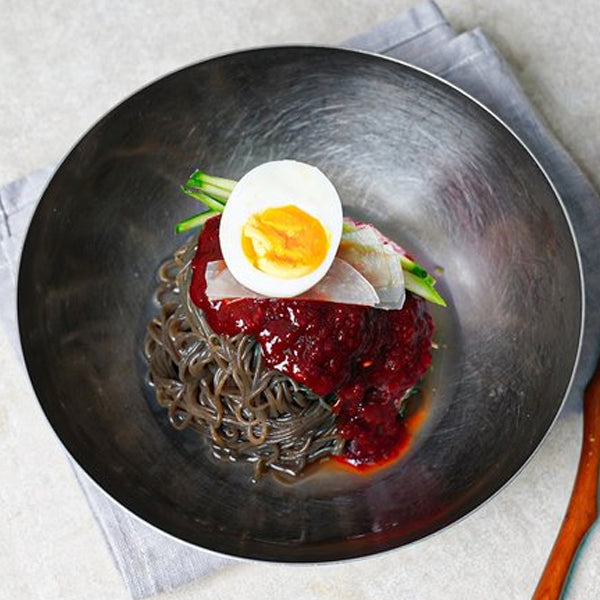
(583, 505)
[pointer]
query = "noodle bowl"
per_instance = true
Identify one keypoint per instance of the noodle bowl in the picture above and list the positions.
(220, 386)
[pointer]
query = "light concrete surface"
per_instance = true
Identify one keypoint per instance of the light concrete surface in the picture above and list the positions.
(63, 64)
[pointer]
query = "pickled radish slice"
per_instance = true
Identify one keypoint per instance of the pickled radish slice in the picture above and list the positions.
(342, 284)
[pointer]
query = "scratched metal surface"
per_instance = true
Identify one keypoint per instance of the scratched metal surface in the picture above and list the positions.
(429, 167)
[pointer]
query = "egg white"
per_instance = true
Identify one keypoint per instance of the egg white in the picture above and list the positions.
(271, 185)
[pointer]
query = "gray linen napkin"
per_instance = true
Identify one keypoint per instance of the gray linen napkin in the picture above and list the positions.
(151, 562)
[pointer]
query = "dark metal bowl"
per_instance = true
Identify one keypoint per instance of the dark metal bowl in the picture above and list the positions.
(430, 167)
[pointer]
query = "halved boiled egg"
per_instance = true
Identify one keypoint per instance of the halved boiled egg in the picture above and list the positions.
(281, 228)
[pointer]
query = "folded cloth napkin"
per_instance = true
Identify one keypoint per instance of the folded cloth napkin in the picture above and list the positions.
(151, 562)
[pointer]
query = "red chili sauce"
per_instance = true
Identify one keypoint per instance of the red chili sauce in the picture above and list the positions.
(368, 358)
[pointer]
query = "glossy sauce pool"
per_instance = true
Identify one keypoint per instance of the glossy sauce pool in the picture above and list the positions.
(367, 358)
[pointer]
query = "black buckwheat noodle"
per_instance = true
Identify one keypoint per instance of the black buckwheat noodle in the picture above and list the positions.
(220, 386)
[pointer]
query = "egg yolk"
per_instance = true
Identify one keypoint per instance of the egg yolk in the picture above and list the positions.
(285, 242)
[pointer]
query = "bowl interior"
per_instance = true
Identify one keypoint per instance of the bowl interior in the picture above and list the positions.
(430, 168)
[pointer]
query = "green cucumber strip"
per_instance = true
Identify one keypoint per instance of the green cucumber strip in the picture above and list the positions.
(199, 178)
(195, 221)
(214, 192)
(210, 202)
(417, 270)
(420, 287)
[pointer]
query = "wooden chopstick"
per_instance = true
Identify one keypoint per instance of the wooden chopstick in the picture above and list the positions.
(583, 505)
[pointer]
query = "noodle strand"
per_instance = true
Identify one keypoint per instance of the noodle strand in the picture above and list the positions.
(220, 386)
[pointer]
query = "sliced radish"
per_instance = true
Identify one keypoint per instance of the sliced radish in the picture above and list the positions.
(363, 247)
(342, 284)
